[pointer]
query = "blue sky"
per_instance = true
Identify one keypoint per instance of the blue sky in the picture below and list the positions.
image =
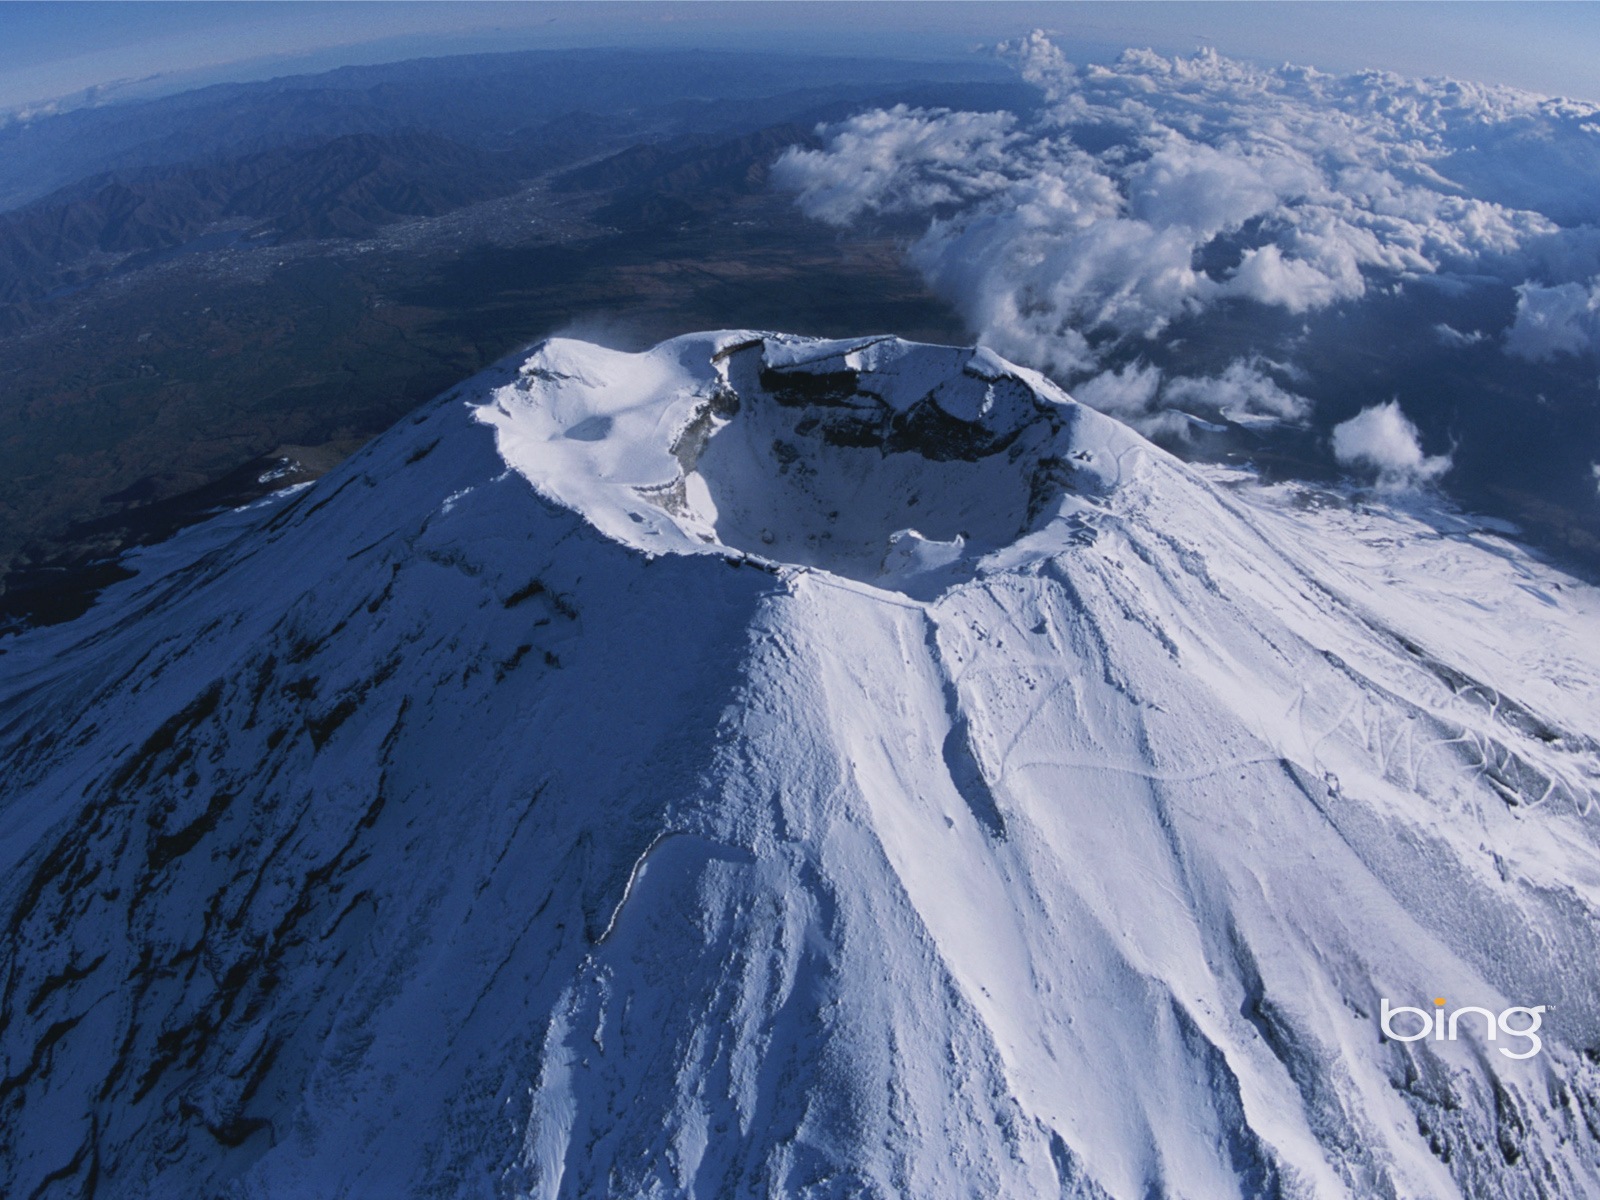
(52, 50)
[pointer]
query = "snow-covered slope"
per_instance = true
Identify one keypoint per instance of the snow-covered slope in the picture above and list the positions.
(764, 767)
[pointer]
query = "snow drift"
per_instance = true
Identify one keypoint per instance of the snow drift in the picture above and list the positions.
(769, 767)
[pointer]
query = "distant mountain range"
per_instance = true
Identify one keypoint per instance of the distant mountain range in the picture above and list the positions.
(403, 141)
(483, 100)
(346, 186)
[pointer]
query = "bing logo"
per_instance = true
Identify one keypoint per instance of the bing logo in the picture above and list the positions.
(1516, 1022)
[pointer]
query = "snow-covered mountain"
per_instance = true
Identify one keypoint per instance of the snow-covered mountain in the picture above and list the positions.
(769, 767)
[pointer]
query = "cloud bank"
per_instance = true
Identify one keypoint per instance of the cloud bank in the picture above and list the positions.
(1157, 212)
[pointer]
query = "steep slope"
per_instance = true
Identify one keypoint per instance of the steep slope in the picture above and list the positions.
(770, 767)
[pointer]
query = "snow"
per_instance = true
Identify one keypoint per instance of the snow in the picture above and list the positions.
(642, 445)
(762, 766)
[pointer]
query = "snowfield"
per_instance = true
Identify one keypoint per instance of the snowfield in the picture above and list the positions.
(778, 768)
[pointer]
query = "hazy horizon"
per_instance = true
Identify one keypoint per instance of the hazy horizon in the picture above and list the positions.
(62, 55)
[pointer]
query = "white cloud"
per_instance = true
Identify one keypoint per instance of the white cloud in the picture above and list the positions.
(900, 160)
(1129, 394)
(1564, 319)
(1296, 284)
(1155, 190)
(1242, 393)
(1125, 393)
(1455, 338)
(1382, 440)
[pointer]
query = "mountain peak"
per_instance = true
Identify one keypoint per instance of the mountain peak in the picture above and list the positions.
(873, 458)
(1047, 817)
